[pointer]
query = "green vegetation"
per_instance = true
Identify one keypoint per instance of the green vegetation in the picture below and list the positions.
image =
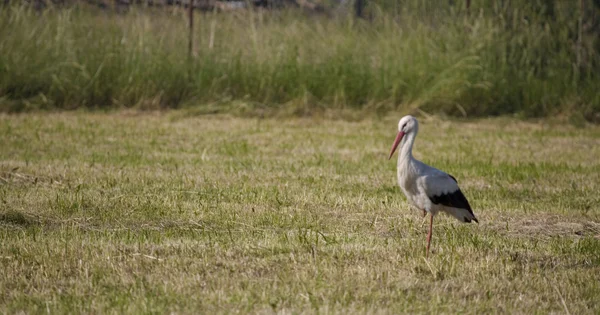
(113, 213)
(521, 57)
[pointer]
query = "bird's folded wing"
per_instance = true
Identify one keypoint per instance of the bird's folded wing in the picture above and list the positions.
(442, 189)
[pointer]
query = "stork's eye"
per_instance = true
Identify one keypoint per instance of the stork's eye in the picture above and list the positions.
(404, 126)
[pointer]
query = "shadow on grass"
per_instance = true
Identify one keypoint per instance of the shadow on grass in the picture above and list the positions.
(13, 217)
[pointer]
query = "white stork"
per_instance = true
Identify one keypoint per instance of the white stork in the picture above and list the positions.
(427, 188)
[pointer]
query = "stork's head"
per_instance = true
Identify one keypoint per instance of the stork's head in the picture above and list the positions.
(407, 125)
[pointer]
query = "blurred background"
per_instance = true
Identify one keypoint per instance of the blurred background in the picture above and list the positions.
(463, 58)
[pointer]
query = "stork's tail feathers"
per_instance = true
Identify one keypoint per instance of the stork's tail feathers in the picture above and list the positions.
(462, 215)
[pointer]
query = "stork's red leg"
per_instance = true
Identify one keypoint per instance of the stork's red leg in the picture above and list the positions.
(424, 213)
(429, 236)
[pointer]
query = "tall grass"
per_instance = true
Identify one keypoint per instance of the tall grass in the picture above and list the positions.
(489, 62)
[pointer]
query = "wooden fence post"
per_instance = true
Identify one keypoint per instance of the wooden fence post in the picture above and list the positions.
(580, 33)
(358, 7)
(191, 35)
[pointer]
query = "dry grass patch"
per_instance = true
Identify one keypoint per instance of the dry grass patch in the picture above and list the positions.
(150, 213)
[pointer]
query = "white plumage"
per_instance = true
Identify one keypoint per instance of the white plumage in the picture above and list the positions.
(427, 188)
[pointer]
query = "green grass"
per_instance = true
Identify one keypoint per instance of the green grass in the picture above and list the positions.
(161, 213)
(499, 60)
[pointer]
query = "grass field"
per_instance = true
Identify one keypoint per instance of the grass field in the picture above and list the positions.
(511, 57)
(159, 213)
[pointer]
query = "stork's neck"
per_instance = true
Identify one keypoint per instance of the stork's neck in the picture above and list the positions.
(405, 155)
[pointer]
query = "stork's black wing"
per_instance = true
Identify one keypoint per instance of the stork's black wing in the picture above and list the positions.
(454, 199)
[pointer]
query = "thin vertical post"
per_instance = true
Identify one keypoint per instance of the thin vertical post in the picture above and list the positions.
(580, 33)
(358, 7)
(191, 36)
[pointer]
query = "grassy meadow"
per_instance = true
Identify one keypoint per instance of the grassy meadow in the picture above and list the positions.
(523, 58)
(176, 213)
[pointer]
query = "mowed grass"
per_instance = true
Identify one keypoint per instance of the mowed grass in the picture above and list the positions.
(160, 213)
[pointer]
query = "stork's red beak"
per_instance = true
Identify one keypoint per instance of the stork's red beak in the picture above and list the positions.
(396, 143)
